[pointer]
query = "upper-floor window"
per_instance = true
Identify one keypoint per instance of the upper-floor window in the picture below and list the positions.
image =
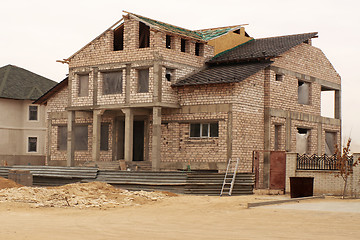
(119, 38)
(32, 144)
(83, 85)
(143, 81)
(184, 45)
(144, 35)
(279, 77)
(33, 113)
(303, 92)
(199, 49)
(204, 130)
(169, 74)
(112, 82)
(169, 42)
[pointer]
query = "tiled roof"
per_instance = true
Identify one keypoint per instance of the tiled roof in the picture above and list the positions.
(204, 35)
(223, 74)
(262, 48)
(18, 83)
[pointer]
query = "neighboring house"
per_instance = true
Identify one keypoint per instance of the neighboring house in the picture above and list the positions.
(22, 123)
(150, 92)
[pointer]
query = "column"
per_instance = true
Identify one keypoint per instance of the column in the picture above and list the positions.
(319, 139)
(337, 104)
(96, 135)
(156, 139)
(70, 139)
(129, 125)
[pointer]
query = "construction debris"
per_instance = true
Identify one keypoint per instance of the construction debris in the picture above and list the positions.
(77, 195)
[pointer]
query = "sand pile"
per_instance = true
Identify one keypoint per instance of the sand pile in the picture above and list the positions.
(5, 183)
(79, 195)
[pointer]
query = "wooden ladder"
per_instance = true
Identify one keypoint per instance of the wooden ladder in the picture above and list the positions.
(228, 177)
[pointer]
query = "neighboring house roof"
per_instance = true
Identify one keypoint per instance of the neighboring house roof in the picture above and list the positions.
(57, 88)
(224, 74)
(19, 83)
(204, 34)
(262, 48)
(244, 60)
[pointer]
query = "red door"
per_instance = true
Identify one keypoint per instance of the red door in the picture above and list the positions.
(277, 169)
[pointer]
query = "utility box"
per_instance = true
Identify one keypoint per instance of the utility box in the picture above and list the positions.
(23, 177)
(301, 187)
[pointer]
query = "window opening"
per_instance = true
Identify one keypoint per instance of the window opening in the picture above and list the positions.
(168, 41)
(62, 138)
(303, 92)
(143, 80)
(81, 137)
(104, 137)
(279, 77)
(183, 45)
(144, 35)
(199, 49)
(277, 137)
(330, 141)
(112, 82)
(204, 130)
(328, 102)
(83, 85)
(119, 38)
(302, 139)
(33, 113)
(32, 144)
(169, 74)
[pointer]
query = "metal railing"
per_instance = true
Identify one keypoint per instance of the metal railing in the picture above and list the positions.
(316, 162)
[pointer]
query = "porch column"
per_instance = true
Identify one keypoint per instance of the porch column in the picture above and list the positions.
(129, 125)
(96, 135)
(337, 104)
(156, 139)
(70, 161)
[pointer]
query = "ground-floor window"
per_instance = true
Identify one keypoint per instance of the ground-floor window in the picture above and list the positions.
(32, 144)
(204, 130)
(81, 137)
(104, 138)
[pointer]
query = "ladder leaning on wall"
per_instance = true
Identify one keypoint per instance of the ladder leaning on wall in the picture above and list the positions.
(229, 179)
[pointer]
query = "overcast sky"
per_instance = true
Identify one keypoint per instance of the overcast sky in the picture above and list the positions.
(36, 33)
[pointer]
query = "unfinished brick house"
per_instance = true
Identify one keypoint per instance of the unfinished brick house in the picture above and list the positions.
(157, 95)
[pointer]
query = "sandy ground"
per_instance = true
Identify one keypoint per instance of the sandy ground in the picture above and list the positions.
(183, 217)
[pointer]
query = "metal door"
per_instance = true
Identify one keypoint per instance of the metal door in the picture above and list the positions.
(277, 169)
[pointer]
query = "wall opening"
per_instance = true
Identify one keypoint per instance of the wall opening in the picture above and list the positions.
(143, 81)
(199, 49)
(119, 38)
(83, 85)
(112, 82)
(144, 35)
(104, 136)
(303, 92)
(277, 137)
(169, 74)
(330, 142)
(32, 144)
(62, 138)
(279, 77)
(168, 42)
(302, 140)
(184, 45)
(327, 102)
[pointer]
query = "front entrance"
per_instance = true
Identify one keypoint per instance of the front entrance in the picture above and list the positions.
(138, 141)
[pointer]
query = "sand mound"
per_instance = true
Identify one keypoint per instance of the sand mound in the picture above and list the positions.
(6, 183)
(79, 195)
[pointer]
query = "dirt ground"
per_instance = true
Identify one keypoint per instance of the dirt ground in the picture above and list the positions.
(164, 216)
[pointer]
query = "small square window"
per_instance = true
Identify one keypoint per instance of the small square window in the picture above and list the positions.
(170, 74)
(33, 113)
(32, 144)
(279, 77)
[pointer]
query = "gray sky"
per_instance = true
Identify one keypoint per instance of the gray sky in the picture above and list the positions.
(36, 33)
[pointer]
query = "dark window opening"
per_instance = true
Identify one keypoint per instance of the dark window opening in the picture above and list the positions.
(183, 45)
(32, 144)
(104, 137)
(112, 82)
(81, 137)
(168, 41)
(143, 80)
(119, 38)
(33, 113)
(144, 35)
(303, 92)
(62, 138)
(169, 75)
(83, 85)
(199, 49)
(277, 137)
(302, 140)
(204, 130)
(330, 142)
(279, 77)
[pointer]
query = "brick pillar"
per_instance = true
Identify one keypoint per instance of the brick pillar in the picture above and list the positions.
(291, 158)
(96, 135)
(129, 126)
(70, 139)
(156, 139)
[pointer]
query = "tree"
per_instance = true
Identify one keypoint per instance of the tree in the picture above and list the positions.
(344, 163)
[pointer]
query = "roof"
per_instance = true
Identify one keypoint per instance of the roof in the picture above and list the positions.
(51, 92)
(262, 48)
(224, 74)
(203, 35)
(19, 83)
